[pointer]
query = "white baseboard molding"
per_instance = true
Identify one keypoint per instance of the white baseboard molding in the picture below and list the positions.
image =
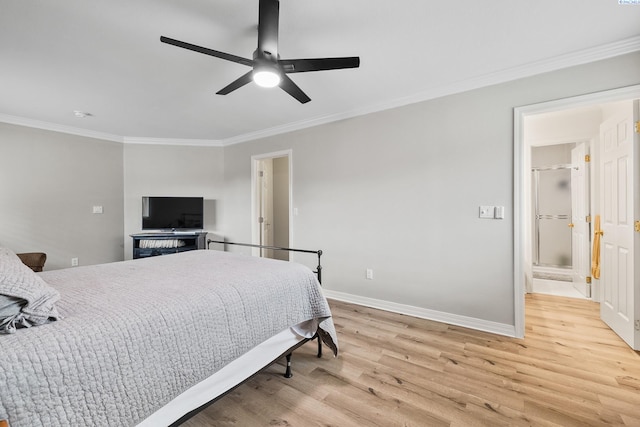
(424, 313)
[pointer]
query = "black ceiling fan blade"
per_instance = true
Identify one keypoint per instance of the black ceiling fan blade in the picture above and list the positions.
(268, 17)
(207, 51)
(236, 84)
(292, 89)
(318, 64)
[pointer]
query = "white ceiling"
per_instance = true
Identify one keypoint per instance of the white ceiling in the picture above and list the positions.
(105, 58)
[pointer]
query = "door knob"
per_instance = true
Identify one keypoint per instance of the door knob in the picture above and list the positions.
(571, 225)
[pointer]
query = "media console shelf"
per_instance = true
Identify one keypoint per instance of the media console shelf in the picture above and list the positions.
(153, 244)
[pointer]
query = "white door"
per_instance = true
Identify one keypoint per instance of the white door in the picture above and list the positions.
(265, 201)
(618, 161)
(580, 242)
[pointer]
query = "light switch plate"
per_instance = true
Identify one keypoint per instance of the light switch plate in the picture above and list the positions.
(487, 212)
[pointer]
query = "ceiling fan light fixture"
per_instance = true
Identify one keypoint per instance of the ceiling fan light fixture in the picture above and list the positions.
(266, 78)
(267, 69)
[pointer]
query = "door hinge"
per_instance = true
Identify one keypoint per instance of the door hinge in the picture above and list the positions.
(260, 220)
(637, 323)
(637, 126)
(588, 279)
(587, 158)
(587, 219)
(261, 174)
(637, 226)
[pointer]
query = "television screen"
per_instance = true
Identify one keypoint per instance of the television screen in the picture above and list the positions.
(172, 213)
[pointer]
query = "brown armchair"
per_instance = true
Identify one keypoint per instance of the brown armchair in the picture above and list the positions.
(33, 260)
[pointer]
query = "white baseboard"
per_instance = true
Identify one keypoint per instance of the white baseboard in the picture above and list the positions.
(424, 313)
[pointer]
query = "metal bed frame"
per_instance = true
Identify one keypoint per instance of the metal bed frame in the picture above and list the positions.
(287, 354)
(317, 271)
(192, 413)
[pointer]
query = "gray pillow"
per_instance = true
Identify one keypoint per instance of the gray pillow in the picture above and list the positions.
(20, 286)
(9, 312)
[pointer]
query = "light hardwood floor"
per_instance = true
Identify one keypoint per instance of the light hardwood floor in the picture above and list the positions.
(395, 370)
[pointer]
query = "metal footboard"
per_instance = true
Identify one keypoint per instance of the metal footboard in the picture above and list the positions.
(317, 271)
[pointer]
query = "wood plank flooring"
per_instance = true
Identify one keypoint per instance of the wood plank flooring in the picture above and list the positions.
(396, 370)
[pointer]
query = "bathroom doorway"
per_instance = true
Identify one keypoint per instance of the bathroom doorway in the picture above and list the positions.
(560, 238)
(561, 149)
(606, 120)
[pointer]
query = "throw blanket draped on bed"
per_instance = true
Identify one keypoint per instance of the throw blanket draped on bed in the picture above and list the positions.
(135, 334)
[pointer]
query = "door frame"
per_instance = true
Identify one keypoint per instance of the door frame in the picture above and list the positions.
(522, 163)
(581, 202)
(255, 229)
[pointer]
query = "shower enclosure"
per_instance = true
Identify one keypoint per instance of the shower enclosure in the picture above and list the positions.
(552, 216)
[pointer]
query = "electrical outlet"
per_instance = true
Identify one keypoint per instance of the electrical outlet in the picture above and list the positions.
(369, 274)
(74, 262)
(97, 210)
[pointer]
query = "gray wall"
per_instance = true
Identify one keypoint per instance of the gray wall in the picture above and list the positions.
(49, 183)
(168, 170)
(398, 192)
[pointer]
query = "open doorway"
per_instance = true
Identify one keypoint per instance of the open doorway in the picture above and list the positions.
(559, 115)
(560, 220)
(558, 148)
(271, 203)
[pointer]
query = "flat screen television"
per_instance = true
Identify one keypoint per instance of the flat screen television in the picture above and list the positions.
(172, 213)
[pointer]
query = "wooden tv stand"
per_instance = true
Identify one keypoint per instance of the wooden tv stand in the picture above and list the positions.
(163, 243)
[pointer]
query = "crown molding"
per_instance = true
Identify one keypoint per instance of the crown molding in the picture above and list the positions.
(173, 141)
(38, 124)
(585, 56)
(527, 70)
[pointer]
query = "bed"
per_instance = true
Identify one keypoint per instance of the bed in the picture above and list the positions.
(144, 342)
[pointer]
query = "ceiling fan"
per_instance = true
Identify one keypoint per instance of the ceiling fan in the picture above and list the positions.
(268, 70)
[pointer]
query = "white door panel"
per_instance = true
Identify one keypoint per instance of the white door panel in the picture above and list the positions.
(617, 165)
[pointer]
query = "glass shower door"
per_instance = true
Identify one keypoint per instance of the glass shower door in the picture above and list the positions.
(552, 204)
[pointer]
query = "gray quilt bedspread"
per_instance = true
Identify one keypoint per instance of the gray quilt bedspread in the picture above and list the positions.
(135, 334)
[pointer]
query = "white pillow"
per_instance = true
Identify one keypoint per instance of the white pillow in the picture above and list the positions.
(25, 290)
